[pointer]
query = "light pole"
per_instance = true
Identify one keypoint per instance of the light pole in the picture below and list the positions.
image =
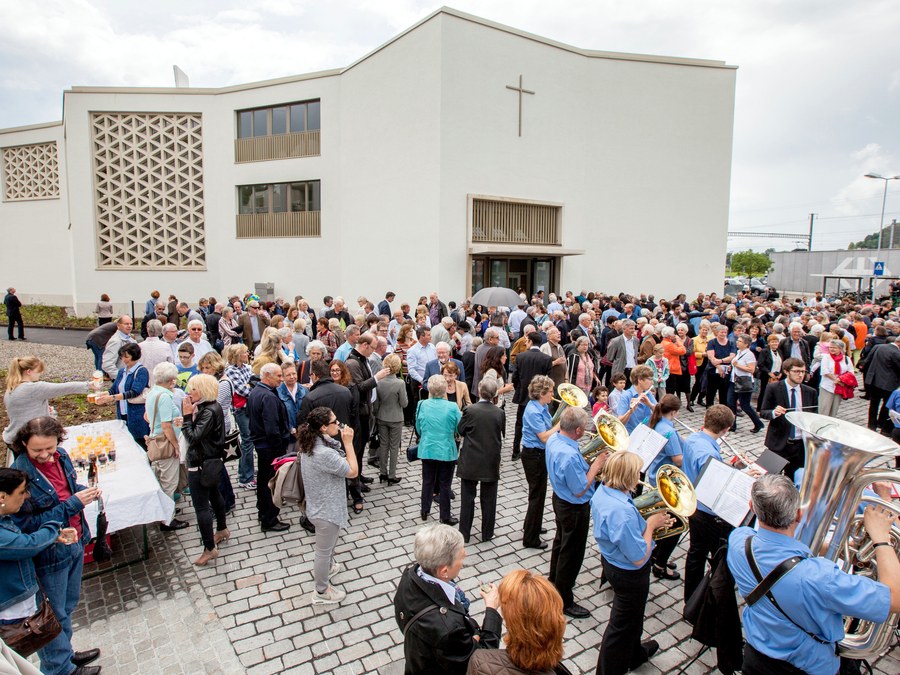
(881, 222)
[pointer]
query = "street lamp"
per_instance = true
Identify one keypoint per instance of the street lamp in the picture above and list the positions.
(881, 222)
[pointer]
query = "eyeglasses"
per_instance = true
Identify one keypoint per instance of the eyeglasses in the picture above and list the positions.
(196, 330)
(334, 421)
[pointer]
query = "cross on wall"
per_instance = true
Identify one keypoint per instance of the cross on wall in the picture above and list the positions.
(520, 91)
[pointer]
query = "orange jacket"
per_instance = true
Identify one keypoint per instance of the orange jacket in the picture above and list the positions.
(862, 330)
(673, 351)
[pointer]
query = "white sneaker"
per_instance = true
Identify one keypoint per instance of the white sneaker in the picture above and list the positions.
(335, 569)
(330, 597)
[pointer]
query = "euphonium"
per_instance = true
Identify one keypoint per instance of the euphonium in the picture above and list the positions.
(569, 395)
(831, 492)
(673, 493)
(611, 435)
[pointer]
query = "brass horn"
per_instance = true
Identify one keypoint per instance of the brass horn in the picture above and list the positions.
(611, 435)
(832, 489)
(673, 493)
(569, 395)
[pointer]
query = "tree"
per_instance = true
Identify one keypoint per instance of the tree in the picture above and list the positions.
(750, 264)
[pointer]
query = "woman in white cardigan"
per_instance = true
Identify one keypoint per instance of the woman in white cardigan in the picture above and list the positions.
(833, 365)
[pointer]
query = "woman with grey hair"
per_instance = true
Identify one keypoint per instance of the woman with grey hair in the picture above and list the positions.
(439, 636)
(833, 364)
(436, 420)
(315, 351)
(301, 339)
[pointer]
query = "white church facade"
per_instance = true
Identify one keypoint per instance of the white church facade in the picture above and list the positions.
(462, 153)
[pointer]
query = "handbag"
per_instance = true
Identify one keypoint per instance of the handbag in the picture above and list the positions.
(374, 441)
(159, 447)
(32, 632)
(232, 440)
(692, 364)
(140, 398)
(743, 385)
(210, 472)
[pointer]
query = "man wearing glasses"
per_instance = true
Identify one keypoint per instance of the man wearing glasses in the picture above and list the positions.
(782, 437)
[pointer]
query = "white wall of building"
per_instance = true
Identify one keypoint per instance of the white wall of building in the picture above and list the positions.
(37, 256)
(637, 152)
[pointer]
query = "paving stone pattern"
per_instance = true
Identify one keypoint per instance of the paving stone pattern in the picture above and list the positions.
(251, 611)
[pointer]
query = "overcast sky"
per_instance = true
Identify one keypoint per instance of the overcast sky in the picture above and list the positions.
(818, 85)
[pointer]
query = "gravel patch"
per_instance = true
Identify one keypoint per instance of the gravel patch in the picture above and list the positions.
(61, 363)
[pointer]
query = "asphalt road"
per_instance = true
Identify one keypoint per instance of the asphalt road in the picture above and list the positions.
(55, 336)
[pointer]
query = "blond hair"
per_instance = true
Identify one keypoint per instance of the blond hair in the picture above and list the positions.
(205, 385)
(17, 369)
(622, 470)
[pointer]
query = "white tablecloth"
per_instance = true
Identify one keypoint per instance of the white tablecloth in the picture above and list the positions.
(131, 493)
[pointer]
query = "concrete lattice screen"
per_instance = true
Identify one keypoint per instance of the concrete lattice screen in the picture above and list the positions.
(148, 190)
(30, 172)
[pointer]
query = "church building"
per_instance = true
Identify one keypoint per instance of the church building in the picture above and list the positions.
(460, 154)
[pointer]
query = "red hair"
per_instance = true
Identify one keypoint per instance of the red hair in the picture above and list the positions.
(532, 610)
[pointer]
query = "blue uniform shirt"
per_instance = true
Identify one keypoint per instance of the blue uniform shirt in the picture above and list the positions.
(671, 449)
(567, 470)
(816, 594)
(698, 448)
(536, 419)
(619, 528)
(641, 412)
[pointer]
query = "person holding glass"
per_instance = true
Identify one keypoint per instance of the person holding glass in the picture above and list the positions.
(55, 497)
(326, 464)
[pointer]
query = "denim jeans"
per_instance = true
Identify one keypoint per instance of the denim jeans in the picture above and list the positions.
(245, 463)
(98, 354)
(63, 589)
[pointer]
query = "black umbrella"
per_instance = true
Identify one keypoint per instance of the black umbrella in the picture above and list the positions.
(102, 551)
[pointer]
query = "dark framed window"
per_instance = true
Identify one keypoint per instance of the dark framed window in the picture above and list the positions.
(280, 119)
(280, 197)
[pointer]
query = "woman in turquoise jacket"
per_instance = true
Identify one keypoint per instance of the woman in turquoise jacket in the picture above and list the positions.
(436, 420)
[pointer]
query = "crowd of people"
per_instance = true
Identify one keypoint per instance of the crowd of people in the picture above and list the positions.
(334, 387)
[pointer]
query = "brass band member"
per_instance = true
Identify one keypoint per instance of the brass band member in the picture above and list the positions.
(626, 542)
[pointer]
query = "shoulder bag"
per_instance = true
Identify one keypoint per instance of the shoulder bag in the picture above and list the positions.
(142, 397)
(412, 449)
(232, 438)
(33, 632)
(159, 447)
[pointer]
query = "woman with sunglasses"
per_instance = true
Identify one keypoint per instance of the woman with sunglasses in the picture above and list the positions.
(326, 467)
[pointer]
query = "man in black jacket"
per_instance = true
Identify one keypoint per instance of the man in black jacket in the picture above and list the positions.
(529, 363)
(794, 346)
(13, 313)
(270, 431)
(325, 392)
(340, 313)
(790, 393)
(882, 377)
(358, 365)
(482, 428)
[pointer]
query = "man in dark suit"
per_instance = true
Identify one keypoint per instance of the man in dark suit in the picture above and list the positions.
(340, 313)
(14, 313)
(252, 324)
(794, 346)
(365, 381)
(529, 363)
(782, 437)
(325, 392)
(882, 377)
(270, 431)
(481, 427)
(384, 307)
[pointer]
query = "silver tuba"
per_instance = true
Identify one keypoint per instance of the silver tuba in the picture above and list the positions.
(832, 490)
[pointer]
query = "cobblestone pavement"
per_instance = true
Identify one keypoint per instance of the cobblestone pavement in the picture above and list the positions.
(251, 612)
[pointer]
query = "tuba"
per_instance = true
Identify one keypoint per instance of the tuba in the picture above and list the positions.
(569, 395)
(611, 435)
(832, 490)
(673, 493)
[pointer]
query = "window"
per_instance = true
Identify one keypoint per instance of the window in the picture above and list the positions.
(279, 198)
(276, 120)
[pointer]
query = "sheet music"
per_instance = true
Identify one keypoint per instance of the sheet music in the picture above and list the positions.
(725, 491)
(646, 443)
